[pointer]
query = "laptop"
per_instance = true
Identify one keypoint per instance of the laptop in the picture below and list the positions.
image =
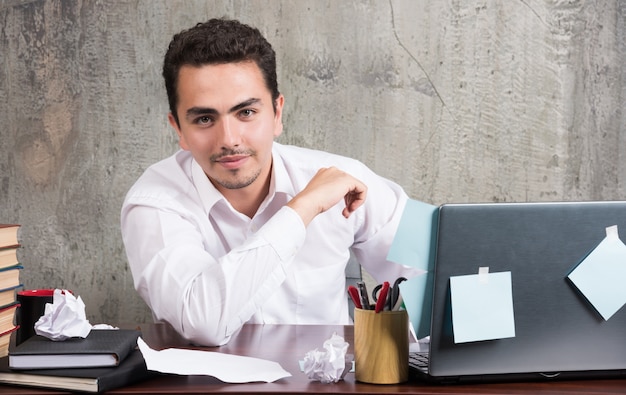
(558, 332)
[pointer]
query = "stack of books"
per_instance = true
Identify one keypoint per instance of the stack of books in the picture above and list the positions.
(106, 359)
(9, 283)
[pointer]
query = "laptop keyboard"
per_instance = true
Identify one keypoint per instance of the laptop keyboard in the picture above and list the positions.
(418, 361)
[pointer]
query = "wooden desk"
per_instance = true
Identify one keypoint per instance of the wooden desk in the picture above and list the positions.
(288, 344)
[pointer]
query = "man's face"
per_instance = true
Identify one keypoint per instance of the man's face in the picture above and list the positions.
(228, 123)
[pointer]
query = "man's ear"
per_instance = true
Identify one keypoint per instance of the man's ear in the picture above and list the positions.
(181, 139)
(278, 116)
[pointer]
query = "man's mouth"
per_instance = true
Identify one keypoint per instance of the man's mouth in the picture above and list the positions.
(232, 161)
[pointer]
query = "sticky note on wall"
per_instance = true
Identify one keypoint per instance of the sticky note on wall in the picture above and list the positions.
(482, 306)
(601, 276)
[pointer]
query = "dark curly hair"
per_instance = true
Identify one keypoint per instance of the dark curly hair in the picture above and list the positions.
(218, 41)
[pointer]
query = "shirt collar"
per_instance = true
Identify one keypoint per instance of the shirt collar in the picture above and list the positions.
(209, 195)
(280, 176)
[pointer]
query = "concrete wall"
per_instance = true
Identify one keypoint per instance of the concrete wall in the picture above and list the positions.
(458, 101)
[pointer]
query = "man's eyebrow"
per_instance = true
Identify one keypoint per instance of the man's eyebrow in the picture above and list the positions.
(244, 104)
(195, 111)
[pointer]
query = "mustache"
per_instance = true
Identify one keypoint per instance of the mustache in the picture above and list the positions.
(231, 152)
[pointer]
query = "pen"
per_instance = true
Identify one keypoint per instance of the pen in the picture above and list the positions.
(354, 295)
(365, 300)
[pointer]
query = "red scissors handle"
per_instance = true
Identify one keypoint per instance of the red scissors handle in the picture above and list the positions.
(382, 297)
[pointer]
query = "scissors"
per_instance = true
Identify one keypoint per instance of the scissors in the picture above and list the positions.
(380, 297)
(393, 297)
(396, 299)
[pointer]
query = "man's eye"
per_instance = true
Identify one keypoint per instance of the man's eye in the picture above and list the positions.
(246, 113)
(204, 120)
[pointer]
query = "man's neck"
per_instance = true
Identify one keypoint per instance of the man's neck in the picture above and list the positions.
(245, 201)
(248, 200)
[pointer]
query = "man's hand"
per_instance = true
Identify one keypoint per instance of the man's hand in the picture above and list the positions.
(326, 189)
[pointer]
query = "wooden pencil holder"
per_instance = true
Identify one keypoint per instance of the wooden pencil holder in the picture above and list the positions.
(381, 346)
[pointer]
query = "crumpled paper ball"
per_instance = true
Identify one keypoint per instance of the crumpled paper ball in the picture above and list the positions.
(64, 318)
(329, 365)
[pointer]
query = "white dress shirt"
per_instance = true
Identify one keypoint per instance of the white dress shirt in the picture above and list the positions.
(208, 269)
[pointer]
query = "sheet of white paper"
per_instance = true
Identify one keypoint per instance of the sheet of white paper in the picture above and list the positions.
(226, 367)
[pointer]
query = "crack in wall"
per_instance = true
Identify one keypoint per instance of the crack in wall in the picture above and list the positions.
(401, 44)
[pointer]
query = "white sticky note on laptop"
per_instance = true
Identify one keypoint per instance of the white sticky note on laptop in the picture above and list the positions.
(482, 306)
(600, 277)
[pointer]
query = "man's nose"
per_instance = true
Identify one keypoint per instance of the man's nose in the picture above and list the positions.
(231, 134)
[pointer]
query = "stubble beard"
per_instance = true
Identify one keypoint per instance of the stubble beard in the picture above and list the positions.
(238, 183)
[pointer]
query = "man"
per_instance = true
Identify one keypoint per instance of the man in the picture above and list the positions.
(234, 227)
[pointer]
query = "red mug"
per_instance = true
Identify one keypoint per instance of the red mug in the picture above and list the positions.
(32, 307)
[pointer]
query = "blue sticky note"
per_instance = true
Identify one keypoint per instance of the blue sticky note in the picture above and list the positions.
(417, 295)
(482, 307)
(600, 276)
(414, 245)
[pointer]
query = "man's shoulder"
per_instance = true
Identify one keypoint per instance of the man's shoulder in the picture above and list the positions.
(168, 176)
(169, 169)
(302, 157)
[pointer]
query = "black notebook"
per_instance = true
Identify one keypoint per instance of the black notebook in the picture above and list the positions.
(131, 370)
(101, 348)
